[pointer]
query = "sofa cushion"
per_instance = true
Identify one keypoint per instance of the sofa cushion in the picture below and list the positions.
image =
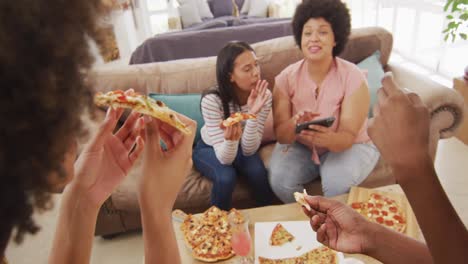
(375, 74)
(221, 7)
(246, 20)
(245, 7)
(258, 8)
(204, 9)
(207, 24)
(189, 13)
(186, 104)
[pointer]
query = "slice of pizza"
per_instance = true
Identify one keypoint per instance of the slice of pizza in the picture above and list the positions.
(236, 118)
(321, 255)
(280, 236)
(195, 232)
(236, 216)
(141, 104)
(213, 214)
(213, 249)
(294, 260)
(300, 198)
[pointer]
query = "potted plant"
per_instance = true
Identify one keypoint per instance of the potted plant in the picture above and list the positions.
(457, 22)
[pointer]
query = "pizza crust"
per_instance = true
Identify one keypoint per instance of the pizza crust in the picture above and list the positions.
(300, 198)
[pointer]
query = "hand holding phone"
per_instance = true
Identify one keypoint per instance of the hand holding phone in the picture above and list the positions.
(326, 122)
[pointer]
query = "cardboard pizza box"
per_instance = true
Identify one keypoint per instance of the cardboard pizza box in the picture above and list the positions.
(359, 194)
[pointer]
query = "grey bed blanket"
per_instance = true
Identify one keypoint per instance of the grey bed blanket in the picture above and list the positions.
(205, 43)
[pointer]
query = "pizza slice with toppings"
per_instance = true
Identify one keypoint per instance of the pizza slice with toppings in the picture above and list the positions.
(141, 104)
(236, 118)
(321, 255)
(213, 249)
(280, 236)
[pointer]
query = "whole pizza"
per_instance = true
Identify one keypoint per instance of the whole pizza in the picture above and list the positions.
(383, 210)
(209, 235)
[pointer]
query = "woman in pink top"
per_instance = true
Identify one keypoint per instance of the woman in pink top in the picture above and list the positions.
(319, 86)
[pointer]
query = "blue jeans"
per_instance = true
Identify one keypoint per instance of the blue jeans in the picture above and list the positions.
(224, 177)
(291, 168)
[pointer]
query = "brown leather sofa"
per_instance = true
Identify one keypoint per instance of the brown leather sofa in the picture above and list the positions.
(120, 212)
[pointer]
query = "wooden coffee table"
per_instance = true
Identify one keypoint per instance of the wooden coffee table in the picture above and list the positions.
(287, 212)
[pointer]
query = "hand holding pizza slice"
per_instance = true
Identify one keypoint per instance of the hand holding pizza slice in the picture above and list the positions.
(236, 118)
(141, 104)
(300, 198)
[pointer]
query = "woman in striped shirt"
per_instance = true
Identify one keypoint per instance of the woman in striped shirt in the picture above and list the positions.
(222, 154)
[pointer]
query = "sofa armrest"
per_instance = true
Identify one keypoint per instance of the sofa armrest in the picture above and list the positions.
(174, 23)
(445, 104)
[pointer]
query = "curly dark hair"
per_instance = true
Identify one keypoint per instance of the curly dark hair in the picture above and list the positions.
(334, 12)
(44, 59)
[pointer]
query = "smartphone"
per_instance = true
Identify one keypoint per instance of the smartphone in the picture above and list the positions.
(326, 122)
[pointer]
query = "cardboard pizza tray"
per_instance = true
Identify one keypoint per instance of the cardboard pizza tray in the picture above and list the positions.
(359, 194)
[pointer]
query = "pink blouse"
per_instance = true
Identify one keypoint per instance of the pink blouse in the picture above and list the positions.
(341, 81)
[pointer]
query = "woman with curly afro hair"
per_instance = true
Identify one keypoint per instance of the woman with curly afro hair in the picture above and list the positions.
(321, 85)
(44, 61)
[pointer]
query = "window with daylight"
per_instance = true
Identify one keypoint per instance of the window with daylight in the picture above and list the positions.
(156, 15)
(417, 27)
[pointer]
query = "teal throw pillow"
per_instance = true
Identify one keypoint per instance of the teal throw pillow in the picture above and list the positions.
(375, 74)
(186, 104)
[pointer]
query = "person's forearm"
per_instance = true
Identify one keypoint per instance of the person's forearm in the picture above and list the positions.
(286, 132)
(390, 247)
(342, 141)
(445, 234)
(75, 229)
(158, 234)
(251, 139)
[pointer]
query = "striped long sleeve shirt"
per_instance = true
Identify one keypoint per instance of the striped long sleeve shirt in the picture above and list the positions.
(213, 135)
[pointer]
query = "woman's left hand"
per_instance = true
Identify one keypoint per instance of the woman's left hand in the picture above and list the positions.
(106, 160)
(322, 137)
(258, 97)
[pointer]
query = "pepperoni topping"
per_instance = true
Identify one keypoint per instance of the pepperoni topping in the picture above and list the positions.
(393, 209)
(374, 212)
(399, 219)
(376, 196)
(379, 220)
(122, 98)
(356, 205)
(389, 222)
(384, 213)
(379, 205)
(370, 205)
